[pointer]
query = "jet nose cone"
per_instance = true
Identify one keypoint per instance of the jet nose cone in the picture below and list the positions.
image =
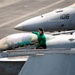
(18, 27)
(30, 24)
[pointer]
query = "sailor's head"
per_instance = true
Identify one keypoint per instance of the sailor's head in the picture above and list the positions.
(41, 30)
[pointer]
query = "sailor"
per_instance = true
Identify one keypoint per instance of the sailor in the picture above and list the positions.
(41, 39)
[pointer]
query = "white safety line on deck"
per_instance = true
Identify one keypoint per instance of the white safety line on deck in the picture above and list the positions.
(4, 24)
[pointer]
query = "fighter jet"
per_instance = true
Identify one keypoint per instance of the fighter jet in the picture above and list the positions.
(57, 20)
(29, 39)
(16, 40)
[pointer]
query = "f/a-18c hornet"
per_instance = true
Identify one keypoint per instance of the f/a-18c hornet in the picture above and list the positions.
(17, 40)
(57, 20)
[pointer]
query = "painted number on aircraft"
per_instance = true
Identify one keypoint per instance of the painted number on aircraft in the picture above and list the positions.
(64, 16)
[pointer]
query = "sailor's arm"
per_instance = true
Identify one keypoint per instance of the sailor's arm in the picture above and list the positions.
(34, 32)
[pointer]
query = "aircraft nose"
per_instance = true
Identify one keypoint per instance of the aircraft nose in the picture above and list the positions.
(3, 46)
(19, 27)
(31, 24)
(23, 26)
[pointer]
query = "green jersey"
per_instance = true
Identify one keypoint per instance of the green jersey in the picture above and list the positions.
(41, 40)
